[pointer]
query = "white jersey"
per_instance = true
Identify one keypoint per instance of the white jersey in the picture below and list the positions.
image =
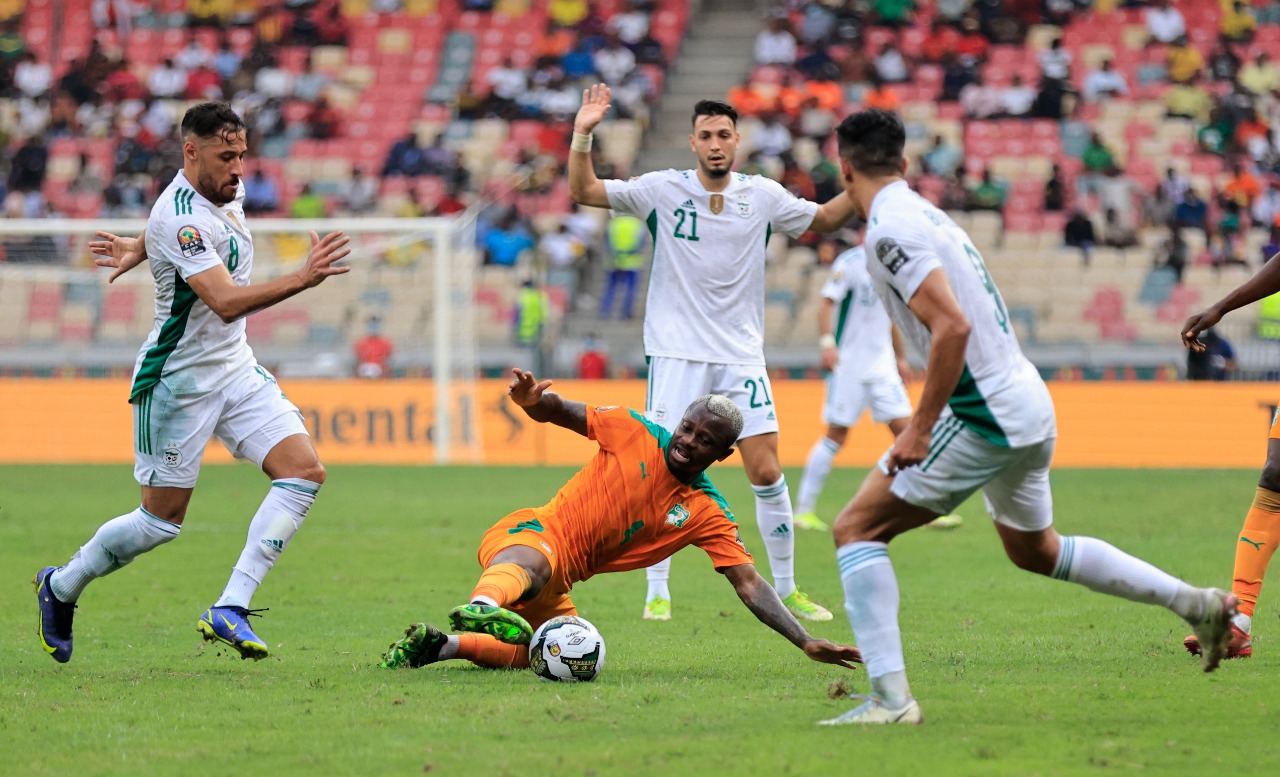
(706, 290)
(862, 330)
(1000, 394)
(190, 348)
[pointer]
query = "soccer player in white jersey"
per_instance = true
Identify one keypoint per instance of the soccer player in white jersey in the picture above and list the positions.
(704, 317)
(984, 421)
(868, 369)
(196, 377)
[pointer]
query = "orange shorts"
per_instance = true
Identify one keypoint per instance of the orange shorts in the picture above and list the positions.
(523, 528)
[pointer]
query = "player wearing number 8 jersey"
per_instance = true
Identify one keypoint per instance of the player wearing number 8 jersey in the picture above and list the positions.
(195, 378)
(984, 421)
(704, 315)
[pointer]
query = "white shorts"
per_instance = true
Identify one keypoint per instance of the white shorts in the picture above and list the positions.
(675, 383)
(1014, 481)
(848, 395)
(250, 415)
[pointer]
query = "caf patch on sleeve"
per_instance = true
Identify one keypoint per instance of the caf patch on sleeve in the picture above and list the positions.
(890, 254)
(190, 243)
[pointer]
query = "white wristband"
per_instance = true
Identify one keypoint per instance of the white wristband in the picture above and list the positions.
(581, 143)
(827, 341)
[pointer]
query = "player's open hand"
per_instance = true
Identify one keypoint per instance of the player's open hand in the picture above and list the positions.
(1198, 323)
(910, 448)
(121, 253)
(525, 390)
(324, 253)
(595, 104)
(831, 653)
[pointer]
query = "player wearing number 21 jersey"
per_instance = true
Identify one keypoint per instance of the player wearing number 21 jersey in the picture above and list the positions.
(704, 315)
(984, 421)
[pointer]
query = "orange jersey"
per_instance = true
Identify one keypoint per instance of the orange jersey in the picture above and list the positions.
(625, 510)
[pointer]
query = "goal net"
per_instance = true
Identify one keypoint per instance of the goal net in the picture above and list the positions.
(413, 280)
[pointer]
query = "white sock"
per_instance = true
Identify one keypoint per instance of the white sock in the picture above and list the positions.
(816, 470)
(450, 650)
(277, 520)
(116, 543)
(871, 602)
(657, 576)
(1102, 567)
(773, 516)
(1243, 622)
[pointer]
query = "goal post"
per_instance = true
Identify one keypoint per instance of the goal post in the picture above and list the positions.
(417, 276)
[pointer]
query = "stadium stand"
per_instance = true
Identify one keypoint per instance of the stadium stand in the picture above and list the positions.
(439, 107)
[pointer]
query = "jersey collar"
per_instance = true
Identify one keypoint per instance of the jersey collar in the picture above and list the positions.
(884, 194)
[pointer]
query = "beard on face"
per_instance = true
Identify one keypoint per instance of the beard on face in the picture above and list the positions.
(719, 172)
(214, 195)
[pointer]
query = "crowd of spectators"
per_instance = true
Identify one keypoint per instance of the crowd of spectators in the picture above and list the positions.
(816, 60)
(258, 57)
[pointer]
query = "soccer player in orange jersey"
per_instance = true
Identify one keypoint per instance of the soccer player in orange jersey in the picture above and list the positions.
(642, 497)
(1261, 531)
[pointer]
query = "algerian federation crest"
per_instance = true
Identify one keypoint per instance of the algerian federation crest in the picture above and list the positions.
(717, 203)
(677, 515)
(744, 207)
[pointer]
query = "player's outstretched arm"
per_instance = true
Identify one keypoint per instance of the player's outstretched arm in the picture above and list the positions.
(1265, 283)
(833, 214)
(546, 407)
(584, 186)
(121, 253)
(763, 601)
(937, 308)
(230, 302)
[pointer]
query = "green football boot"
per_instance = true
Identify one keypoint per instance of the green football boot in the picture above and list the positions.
(420, 645)
(502, 624)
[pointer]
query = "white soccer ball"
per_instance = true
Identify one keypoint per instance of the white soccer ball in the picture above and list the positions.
(567, 649)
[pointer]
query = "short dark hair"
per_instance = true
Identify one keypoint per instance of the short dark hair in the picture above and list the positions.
(871, 142)
(714, 108)
(213, 118)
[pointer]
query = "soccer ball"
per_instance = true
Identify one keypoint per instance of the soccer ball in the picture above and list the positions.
(567, 649)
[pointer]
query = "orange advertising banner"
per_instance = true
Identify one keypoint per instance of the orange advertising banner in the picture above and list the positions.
(392, 422)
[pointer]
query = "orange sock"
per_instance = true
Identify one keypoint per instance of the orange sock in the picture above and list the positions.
(1256, 546)
(503, 583)
(484, 650)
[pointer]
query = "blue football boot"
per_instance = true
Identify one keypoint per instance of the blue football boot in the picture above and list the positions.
(55, 618)
(230, 625)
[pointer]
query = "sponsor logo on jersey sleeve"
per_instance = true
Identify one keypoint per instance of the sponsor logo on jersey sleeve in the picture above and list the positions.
(190, 243)
(606, 408)
(890, 254)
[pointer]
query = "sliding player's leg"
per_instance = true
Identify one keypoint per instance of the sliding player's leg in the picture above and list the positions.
(518, 560)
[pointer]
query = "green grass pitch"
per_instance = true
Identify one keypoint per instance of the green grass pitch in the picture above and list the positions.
(1017, 675)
